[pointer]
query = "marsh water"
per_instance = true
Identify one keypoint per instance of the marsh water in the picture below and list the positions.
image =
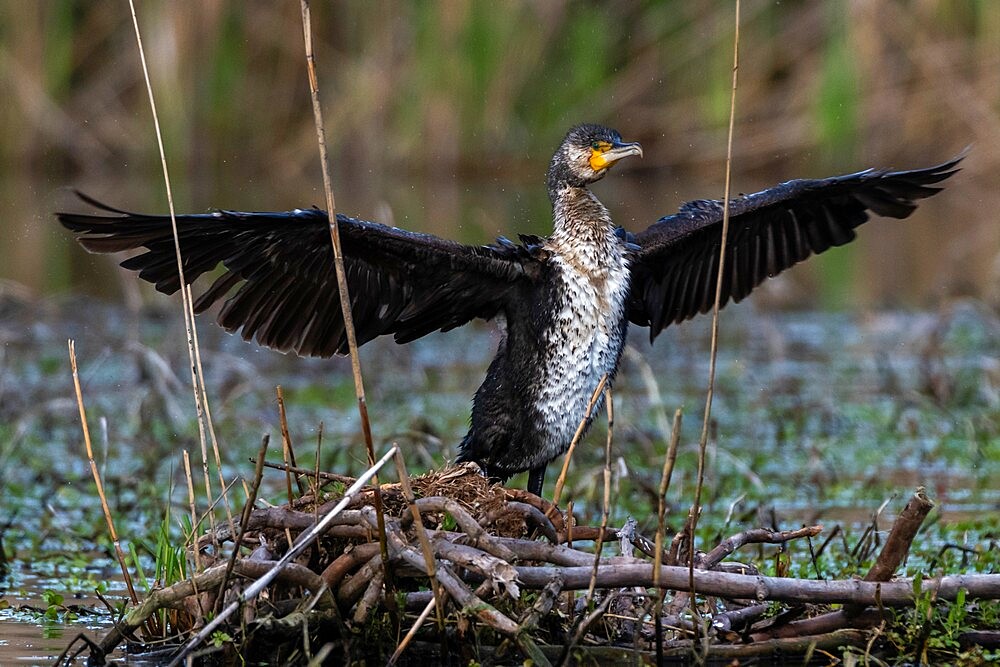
(818, 417)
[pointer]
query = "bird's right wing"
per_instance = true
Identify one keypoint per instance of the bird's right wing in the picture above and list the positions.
(281, 267)
(674, 272)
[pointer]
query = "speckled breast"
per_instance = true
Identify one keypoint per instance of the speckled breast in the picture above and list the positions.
(585, 340)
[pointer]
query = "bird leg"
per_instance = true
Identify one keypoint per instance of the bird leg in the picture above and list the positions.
(536, 479)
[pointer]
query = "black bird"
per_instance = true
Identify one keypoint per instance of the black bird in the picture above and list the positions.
(565, 301)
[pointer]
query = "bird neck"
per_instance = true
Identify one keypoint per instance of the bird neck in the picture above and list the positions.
(577, 211)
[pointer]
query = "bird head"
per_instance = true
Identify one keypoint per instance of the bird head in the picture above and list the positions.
(586, 154)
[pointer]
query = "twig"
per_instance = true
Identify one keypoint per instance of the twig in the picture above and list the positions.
(372, 592)
(497, 572)
(425, 544)
(551, 512)
(480, 538)
(543, 605)
(208, 415)
(754, 536)
(557, 494)
(352, 590)
(194, 512)
(319, 659)
(194, 529)
(824, 623)
(473, 605)
(304, 540)
(727, 621)
(668, 469)
(533, 517)
(322, 474)
(258, 474)
(584, 627)
(189, 324)
(316, 486)
(588, 620)
(286, 447)
(893, 552)
(412, 632)
(97, 477)
(606, 506)
(347, 561)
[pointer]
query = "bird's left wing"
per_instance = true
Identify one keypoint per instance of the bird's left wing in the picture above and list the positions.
(279, 268)
(675, 270)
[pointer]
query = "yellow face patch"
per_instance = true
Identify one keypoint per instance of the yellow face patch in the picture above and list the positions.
(597, 159)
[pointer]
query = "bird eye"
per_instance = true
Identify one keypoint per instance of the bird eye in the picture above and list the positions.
(596, 145)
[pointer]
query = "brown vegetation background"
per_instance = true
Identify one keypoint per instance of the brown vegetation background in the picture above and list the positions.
(442, 117)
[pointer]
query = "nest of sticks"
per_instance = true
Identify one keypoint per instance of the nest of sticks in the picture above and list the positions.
(469, 570)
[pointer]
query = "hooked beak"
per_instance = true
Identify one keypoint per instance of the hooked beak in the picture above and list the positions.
(622, 149)
(618, 150)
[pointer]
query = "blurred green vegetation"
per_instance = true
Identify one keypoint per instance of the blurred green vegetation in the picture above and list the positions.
(442, 116)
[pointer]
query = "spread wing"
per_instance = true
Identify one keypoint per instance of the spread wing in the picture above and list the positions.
(279, 268)
(674, 272)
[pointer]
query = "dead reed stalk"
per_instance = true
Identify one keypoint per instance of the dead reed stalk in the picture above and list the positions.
(668, 469)
(338, 261)
(194, 354)
(97, 476)
(714, 353)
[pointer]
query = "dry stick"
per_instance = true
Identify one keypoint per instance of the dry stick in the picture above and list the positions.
(194, 528)
(342, 289)
(754, 536)
(194, 512)
(587, 621)
(304, 540)
(97, 477)
(258, 474)
(530, 619)
(412, 631)
(328, 476)
(478, 536)
(897, 545)
(369, 598)
(584, 627)
(189, 325)
(533, 518)
(286, 444)
(208, 416)
(319, 659)
(895, 549)
(759, 587)
(425, 543)
(208, 511)
(668, 470)
(570, 595)
(316, 487)
(606, 507)
(713, 354)
(474, 605)
(576, 438)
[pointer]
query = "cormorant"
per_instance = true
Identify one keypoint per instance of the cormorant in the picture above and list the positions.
(566, 300)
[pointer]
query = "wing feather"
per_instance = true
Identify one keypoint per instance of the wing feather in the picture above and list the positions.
(771, 230)
(278, 279)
